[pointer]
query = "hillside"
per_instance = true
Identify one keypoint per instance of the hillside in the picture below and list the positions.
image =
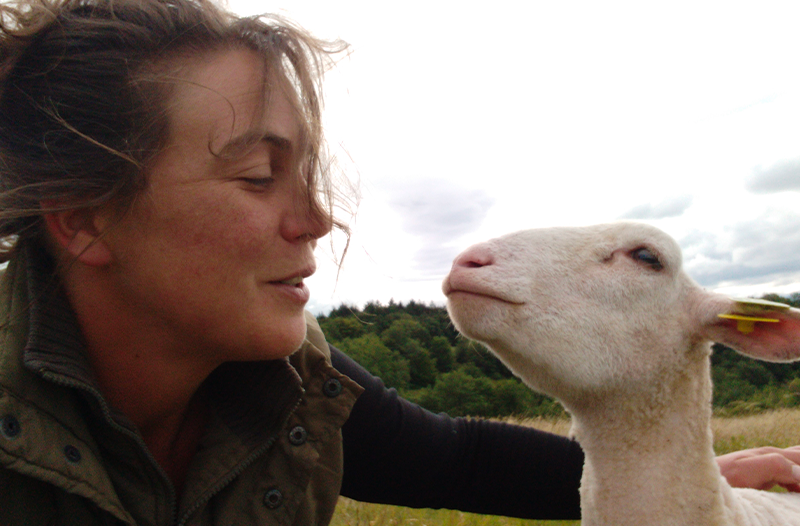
(414, 348)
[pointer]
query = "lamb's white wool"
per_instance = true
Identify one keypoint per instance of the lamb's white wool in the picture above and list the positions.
(604, 319)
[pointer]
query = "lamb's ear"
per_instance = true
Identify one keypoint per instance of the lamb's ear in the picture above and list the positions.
(761, 330)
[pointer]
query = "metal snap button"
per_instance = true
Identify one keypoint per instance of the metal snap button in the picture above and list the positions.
(273, 498)
(72, 453)
(298, 436)
(10, 427)
(332, 387)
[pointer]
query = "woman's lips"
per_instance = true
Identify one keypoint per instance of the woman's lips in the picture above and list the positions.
(294, 288)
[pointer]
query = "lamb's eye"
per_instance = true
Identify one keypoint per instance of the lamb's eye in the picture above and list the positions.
(645, 256)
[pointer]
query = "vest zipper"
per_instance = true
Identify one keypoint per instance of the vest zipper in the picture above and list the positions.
(67, 382)
(172, 497)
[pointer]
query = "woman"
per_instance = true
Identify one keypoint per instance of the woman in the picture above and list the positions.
(163, 188)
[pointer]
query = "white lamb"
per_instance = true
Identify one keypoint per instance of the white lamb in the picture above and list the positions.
(604, 319)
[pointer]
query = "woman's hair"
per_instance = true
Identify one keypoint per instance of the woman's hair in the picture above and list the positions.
(84, 86)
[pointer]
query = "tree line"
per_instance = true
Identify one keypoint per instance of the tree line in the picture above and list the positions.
(414, 348)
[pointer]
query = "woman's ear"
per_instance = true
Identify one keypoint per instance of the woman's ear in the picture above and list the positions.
(78, 232)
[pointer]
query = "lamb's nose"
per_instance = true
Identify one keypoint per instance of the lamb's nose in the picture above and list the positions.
(474, 257)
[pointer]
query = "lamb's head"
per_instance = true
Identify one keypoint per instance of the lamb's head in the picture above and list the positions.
(576, 310)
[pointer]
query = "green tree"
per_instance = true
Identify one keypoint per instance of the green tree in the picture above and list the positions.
(375, 357)
(753, 372)
(442, 353)
(459, 394)
(422, 367)
(471, 352)
(343, 311)
(340, 328)
(511, 397)
(730, 387)
(403, 329)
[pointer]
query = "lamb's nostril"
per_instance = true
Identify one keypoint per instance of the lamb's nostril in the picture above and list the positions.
(475, 257)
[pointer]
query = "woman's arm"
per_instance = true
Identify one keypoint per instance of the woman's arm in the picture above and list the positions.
(395, 452)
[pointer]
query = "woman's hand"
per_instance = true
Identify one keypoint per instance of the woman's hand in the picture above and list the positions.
(762, 468)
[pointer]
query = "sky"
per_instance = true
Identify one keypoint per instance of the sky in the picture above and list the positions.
(462, 121)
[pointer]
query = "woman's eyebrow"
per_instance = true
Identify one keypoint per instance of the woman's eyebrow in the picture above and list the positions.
(241, 144)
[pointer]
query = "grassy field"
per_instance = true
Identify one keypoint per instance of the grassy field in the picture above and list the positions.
(777, 428)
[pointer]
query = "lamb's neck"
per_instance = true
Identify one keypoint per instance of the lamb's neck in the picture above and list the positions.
(649, 459)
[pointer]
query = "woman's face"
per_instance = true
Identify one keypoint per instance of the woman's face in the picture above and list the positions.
(213, 254)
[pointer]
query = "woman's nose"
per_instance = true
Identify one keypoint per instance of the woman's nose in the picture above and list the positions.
(305, 221)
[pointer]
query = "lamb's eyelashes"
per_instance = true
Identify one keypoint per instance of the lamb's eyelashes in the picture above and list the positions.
(643, 255)
(647, 257)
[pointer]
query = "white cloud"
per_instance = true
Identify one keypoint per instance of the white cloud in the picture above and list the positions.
(469, 120)
(757, 251)
(671, 207)
(781, 176)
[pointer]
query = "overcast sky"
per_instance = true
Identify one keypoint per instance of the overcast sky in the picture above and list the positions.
(467, 120)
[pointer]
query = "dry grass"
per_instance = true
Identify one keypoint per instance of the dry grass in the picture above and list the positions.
(351, 513)
(779, 428)
(559, 426)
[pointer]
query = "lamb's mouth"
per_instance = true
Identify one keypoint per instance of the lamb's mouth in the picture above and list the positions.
(482, 294)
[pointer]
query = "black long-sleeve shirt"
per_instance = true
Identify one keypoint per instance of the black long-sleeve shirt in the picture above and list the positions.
(396, 452)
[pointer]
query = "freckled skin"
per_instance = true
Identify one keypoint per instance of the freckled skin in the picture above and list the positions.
(200, 253)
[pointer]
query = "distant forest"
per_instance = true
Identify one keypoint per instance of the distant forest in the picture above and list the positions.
(415, 349)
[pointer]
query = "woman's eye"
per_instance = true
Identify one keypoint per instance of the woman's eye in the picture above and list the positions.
(645, 256)
(258, 182)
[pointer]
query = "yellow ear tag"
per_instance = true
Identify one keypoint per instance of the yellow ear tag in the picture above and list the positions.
(751, 305)
(744, 306)
(746, 324)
